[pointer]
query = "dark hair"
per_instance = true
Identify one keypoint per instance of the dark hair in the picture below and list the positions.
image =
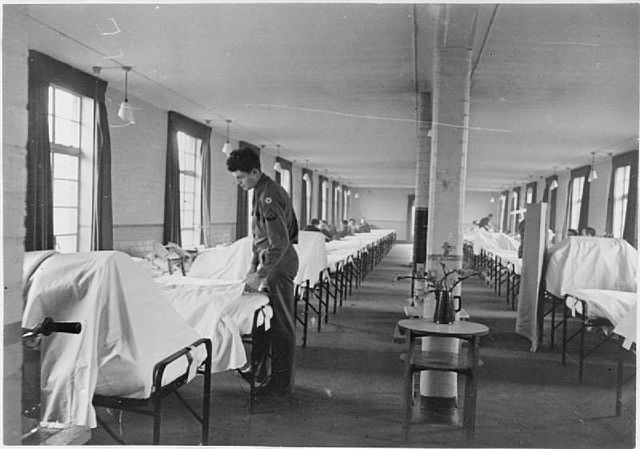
(572, 232)
(244, 159)
(314, 221)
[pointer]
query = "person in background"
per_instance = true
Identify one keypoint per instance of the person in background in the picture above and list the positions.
(274, 263)
(352, 226)
(324, 228)
(572, 233)
(485, 223)
(588, 232)
(363, 226)
(345, 229)
(315, 227)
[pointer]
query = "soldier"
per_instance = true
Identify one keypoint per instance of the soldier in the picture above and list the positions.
(274, 264)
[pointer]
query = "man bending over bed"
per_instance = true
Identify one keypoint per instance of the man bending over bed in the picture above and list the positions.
(274, 264)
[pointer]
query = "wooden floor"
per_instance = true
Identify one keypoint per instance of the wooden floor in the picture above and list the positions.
(349, 387)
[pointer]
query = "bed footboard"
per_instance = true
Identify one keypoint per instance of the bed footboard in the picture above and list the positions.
(152, 406)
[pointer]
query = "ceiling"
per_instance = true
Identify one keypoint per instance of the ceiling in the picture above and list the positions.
(334, 83)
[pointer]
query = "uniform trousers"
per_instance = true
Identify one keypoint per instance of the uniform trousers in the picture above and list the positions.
(283, 323)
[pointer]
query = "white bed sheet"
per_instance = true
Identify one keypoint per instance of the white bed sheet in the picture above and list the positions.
(128, 325)
(627, 327)
(483, 239)
(509, 256)
(610, 304)
(312, 256)
(591, 263)
(217, 309)
(224, 262)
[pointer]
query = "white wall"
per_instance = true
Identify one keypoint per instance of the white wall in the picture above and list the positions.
(384, 208)
(14, 138)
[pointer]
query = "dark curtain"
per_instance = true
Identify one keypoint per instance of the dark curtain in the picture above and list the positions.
(176, 123)
(321, 179)
(39, 214)
(303, 203)
(43, 71)
(102, 223)
(505, 214)
(242, 214)
(584, 204)
(550, 196)
(205, 198)
(630, 229)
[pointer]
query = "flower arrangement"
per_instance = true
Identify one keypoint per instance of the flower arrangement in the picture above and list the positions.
(450, 279)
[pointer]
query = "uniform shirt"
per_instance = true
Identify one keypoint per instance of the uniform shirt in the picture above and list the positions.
(275, 226)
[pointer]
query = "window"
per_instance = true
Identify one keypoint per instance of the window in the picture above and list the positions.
(620, 198)
(285, 180)
(515, 211)
(324, 200)
(576, 202)
(345, 204)
(308, 192)
(503, 206)
(71, 136)
(190, 164)
(337, 190)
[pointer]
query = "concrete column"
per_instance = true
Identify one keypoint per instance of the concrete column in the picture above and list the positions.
(452, 69)
(423, 156)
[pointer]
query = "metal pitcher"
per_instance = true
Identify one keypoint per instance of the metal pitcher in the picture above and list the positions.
(445, 311)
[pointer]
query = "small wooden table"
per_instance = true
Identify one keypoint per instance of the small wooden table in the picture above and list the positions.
(465, 364)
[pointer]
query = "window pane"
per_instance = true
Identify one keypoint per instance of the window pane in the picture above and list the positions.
(67, 133)
(50, 120)
(65, 166)
(67, 105)
(67, 243)
(187, 238)
(65, 193)
(187, 219)
(65, 221)
(187, 200)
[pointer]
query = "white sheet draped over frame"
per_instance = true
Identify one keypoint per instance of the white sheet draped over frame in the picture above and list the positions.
(592, 263)
(128, 325)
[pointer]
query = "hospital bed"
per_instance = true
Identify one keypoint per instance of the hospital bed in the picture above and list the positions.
(594, 280)
(211, 299)
(495, 254)
(133, 351)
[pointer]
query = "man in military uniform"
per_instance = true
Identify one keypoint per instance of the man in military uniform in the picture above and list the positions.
(274, 264)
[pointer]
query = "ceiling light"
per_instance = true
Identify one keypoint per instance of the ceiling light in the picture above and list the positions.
(356, 195)
(554, 182)
(126, 111)
(593, 175)
(306, 177)
(492, 199)
(226, 148)
(277, 166)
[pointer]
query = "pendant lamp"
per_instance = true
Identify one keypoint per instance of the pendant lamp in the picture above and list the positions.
(593, 175)
(126, 111)
(554, 183)
(226, 148)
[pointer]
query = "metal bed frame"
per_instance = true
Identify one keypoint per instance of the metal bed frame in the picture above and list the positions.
(159, 392)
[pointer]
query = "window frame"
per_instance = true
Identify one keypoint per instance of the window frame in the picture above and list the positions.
(84, 169)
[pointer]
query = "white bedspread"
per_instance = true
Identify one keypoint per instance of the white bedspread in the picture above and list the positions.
(627, 327)
(128, 325)
(591, 263)
(610, 304)
(509, 256)
(216, 309)
(486, 240)
(312, 256)
(224, 262)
